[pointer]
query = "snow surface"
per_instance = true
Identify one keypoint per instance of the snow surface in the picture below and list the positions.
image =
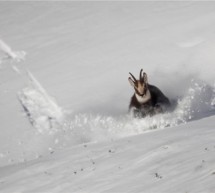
(64, 120)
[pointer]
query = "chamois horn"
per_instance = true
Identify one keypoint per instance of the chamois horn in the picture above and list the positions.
(135, 80)
(141, 77)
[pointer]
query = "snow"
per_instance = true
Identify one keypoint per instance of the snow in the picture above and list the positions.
(176, 160)
(42, 111)
(64, 120)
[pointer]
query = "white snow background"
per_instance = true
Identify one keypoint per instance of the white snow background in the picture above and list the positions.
(64, 97)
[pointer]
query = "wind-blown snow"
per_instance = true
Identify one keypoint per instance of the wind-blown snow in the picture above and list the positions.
(64, 105)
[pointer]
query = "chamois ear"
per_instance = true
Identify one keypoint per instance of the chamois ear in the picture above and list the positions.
(145, 78)
(131, 81)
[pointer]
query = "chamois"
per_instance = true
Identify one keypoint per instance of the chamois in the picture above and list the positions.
(147, 100)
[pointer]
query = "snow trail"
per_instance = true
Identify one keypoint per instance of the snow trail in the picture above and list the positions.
(42, 111)
(65, 130)
(10, 54)
(86, 128)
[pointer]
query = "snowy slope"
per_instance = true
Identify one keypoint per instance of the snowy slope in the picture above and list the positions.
(172, 160)
(64, 122)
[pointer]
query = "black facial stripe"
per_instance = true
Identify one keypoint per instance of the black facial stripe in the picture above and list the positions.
(137, 92)
(144, 91)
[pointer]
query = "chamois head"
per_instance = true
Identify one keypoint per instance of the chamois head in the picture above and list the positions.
(140, 86)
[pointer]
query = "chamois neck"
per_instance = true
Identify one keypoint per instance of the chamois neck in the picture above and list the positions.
(143, 99)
